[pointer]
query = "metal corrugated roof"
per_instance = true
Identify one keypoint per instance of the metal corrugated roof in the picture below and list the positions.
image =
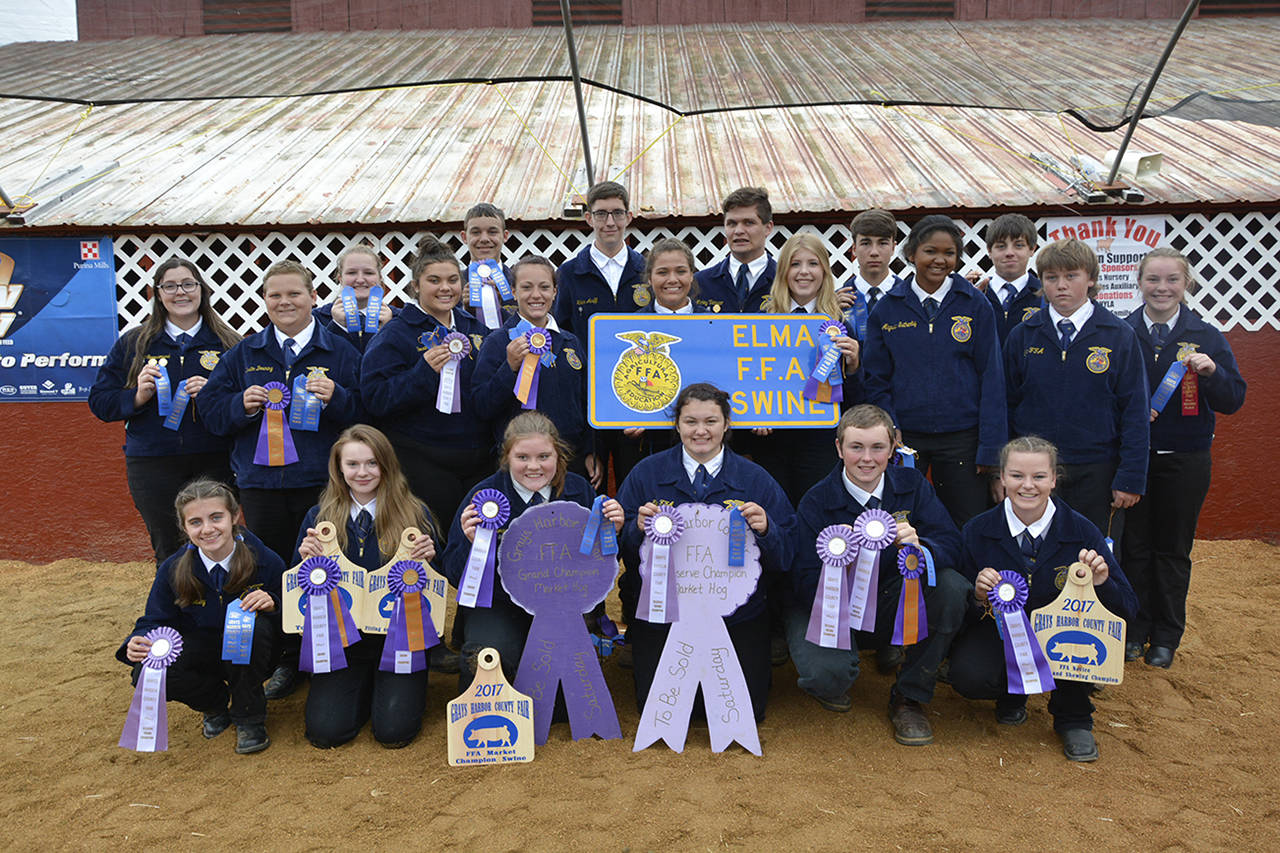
(1089, 67)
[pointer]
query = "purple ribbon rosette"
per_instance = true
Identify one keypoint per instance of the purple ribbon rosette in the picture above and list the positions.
(911, 625)
(449, 395)
(1024, 660)
(873, 531)
(275, 442)
(476, 588)
(411, 630)
(829, 618)
(146, 728)
(664, 528)
(327, 627)
(826, 366)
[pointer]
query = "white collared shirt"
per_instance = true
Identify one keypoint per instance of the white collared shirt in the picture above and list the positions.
(171, 329)
(713, 466)
(526, 495)
(997, 285)
(809, 307)
(1037, 527)
(1078, 318)
(755, 269)
(1171, 322)
(686, 308)
(549, 324)
(610, 267)
(858, 494)
(371, 506)
(864, 287)
(300, 340)
(225, 562)
(938, 295)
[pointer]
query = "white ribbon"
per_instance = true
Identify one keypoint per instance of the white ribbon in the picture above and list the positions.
(149, 713)
(489, 307)
(320, 662)
(1016, 627)
(474, 573)
(659, 563)
(832, 578)
(862, 595)
(448, 384)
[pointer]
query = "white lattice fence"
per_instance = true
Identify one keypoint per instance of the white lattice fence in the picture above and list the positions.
(1237, 257)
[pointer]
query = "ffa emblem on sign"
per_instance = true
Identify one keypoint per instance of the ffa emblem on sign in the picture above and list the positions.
(961, 331)
(1028, 313)
(646, 379)
(572, 357)
(1185, 349)
(1098, 360)
(640, 293)
(208, 359)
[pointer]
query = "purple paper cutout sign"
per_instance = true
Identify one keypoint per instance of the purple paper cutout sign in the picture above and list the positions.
(699, 651)
(542, 568)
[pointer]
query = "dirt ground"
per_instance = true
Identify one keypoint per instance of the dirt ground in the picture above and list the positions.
(1188, 756)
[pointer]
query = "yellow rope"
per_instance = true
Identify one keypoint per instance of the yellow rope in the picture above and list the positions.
(536, 141)
(27, 195)
(645, 150)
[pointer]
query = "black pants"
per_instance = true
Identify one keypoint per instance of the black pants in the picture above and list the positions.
(154, 482)
(950, 461)
(441, 476)
(625, 452)
(341, 702)
(750, 641)
(796, 458)
(275, 516)
(978, 672)
(503, 627)
(1087, 490)
(1160, 531)
(202, 680)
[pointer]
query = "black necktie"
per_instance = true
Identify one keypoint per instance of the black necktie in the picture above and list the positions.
(289, 354)
(873, 502)
(740, 284)
(1068, 331)
(1159, 332)
(535, 499)
(799, 309)
(364, 526)
(184, 341)
(1030, 545)
(701, 483)
(219, 577)
(1009, 292)
(873, 296)
(930, 308)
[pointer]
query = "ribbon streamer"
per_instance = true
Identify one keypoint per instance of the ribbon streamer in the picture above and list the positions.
(412, 629)
(373, 310)
(664, 528)
(237, 634)
(275, 442)
(449, 394)
(164, 393)
(829, 616)
(873, 531)
(476, 589)
(526, 389)
(819, 385)
(146, 727)
(328, 627)
(1164, 391)
(351, 310)
(856, 315)
(911, 624)
(1024, 660)
(598, 529)
(737, 538)
(181, 398)
(304, 410)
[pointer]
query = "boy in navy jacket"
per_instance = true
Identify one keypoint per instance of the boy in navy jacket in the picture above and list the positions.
(1012, 289)
(864, 480)
(741, 281)
(1075, 376)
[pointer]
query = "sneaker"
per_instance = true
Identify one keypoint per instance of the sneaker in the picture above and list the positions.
(251, 737)
(216, 722)
(282, 682)
(910, 725)
(889, 658)
(1079, 745)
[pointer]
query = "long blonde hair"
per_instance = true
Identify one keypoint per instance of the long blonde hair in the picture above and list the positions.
(780, 301)
(398, 507)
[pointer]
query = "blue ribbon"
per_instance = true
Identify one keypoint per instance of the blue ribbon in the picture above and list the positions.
(475, 281)
(350, 308)
(180, 400)
(1168, 385)
(372, 310)
(737, 538)
(548, 358)
(433, 339)
(856, 315)
(907, 459)
(598, 528)
(304, 408)
(164, 393)
(237, 634)
(928, 565)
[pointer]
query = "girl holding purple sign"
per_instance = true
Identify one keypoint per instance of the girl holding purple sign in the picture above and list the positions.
(534, 470)
(148, 381)
(1029, 541)
(369, 503)
(224, 567)
(702, 469)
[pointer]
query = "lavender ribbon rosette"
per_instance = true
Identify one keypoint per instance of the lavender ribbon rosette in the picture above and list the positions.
(411, 630)
(146, 728)
(449, 395)
(829, 617)
(328, 626)
(873, 531)
(476, 588)
(1024, 660)
(663, 529)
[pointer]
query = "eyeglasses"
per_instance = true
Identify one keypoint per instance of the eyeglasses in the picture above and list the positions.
(606, 215)
(171, 287)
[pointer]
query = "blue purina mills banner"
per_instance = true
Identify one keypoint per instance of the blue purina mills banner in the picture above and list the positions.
(57, 315)
(639, 362)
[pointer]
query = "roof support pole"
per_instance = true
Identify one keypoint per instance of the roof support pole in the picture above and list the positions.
(1151, 84)
(577, 88)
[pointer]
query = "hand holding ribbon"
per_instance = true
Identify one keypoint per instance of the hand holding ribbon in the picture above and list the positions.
(350, 310)
(328, 626)
(526, 389)
(826, 367)
(146, 728)
(1025, 663)
(373, 310)
(600, 529)
(476, 588)
(449, 395)
(304, 407)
